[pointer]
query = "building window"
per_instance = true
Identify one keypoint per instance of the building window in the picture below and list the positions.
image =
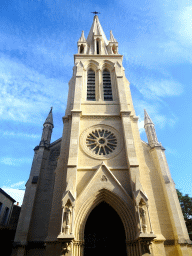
(107, 89)
(101, 142)
(1, 205)
(5, 216)
(114, 49)
(90, 85)
(81, 49)
(97, 46)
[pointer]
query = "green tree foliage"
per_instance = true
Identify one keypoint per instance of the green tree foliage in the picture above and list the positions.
(186, 206)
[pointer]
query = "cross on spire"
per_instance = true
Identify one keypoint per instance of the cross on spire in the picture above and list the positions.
(96, 12)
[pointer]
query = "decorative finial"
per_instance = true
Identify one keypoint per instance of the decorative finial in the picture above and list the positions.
(82, 38)
(96, 13)
(112, 39)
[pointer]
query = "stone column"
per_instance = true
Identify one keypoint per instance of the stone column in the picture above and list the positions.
(72, 222)
(95, 47)
(100, 46)
(78, 248)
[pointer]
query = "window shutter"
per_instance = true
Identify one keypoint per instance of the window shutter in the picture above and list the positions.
(107, 89)
(90, 85)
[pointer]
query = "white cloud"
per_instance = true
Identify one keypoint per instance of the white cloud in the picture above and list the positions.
(184, 24)
(26, 94)
(14, 161)
(155, 110)
(18, 184)
(19, 134)
(141, 126)
(161, 88)
(16, 194)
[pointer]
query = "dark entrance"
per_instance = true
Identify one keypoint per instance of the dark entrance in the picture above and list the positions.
(104, 233)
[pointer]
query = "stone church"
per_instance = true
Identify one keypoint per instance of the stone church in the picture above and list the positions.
(100, 189)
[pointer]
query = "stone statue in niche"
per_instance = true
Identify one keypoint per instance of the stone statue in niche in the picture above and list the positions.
(142, 212)
(67, 218)
(68, 215)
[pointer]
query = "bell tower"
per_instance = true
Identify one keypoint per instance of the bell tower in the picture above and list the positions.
(104, 169)
(103, 159)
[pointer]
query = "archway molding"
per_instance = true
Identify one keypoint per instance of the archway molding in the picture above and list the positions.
(107, 65)
(124, 211)
(91, 64)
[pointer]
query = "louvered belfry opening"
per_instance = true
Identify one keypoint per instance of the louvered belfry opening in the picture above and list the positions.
(90, 85)
(107, 89)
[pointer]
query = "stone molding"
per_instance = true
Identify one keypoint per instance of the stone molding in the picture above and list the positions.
(125, 113)
(101, 117)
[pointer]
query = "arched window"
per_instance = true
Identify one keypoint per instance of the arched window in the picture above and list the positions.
(107, 89)
(97, 46)
(114, 49)
(81, 48)
(90, 85)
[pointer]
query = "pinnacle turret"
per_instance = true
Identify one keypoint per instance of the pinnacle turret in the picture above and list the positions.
(112, 39)
(147, 119)
(47, 130)
(82, 38)
(49, 119)
(150, 131)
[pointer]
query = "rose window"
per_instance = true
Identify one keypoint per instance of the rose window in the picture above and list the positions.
(101, 142)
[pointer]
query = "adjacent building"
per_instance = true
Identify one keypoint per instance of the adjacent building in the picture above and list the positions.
(9, 216)
(6, 207)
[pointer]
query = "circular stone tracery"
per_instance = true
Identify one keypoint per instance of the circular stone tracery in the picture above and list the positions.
(101, 141)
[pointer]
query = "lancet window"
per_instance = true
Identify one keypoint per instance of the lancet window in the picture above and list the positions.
(97, 46)
(107, 89)
(90, 85)
(82, 49)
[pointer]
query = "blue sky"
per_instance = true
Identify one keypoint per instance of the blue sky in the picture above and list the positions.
(37, 41)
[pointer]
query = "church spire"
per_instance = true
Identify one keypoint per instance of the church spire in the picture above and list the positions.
(47, 130)
(97, 43)
(96, 30)
(150, 131)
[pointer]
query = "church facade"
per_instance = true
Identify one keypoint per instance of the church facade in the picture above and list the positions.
(100, 190)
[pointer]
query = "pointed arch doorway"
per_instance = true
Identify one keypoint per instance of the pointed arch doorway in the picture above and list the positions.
(104, 232)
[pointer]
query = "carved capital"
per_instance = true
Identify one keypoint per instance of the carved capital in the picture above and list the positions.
(145, 246)
(65, 248)
(79, 243)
